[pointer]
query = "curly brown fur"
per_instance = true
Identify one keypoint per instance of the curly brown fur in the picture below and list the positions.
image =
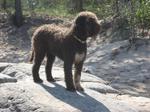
(68, 44)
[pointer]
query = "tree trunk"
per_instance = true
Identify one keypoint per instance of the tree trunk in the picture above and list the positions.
(18, 18)
(76, 5)
(79, 6)
(116, 7)
(4, 4)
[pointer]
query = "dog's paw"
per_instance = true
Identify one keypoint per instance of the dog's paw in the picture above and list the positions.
(72, 89)
(51, 80)
(38, 80)
(79, 88)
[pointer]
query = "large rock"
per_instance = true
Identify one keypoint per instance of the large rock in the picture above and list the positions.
(27, 96)
(124, 66)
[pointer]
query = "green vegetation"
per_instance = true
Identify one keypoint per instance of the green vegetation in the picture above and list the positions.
(143, 13)
(57, 8)
(137, 12)
(60, 8)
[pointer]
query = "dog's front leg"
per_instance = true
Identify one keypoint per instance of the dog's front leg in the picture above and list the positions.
(68, 75)
(77, 76)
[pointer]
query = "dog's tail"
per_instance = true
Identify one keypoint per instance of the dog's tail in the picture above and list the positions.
(32, 56)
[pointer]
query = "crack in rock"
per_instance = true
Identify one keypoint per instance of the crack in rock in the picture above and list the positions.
(101, 88)
(3, 68)
(5, 78)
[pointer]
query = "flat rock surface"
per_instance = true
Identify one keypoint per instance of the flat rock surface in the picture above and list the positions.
(27, 96)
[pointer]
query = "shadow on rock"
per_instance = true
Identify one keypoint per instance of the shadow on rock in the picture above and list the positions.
(80, 101)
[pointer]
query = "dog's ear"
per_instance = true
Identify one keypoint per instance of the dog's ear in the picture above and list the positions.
(80, 21)
(80, 26)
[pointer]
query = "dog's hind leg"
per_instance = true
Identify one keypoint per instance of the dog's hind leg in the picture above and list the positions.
(48, 68)
(38, 58)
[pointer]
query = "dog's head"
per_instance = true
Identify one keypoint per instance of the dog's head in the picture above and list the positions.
(86, 25)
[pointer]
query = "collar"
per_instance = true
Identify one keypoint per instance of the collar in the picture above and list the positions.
(81, 41)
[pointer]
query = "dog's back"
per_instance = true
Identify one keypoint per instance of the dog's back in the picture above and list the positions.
(49, 31)
(49, 37)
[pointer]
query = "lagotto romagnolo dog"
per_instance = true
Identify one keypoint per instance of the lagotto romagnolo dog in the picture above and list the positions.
(68, 44)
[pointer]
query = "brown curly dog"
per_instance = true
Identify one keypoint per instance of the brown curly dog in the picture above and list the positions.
(68, 44)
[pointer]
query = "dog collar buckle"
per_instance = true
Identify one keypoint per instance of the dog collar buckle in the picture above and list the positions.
(81, 41)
